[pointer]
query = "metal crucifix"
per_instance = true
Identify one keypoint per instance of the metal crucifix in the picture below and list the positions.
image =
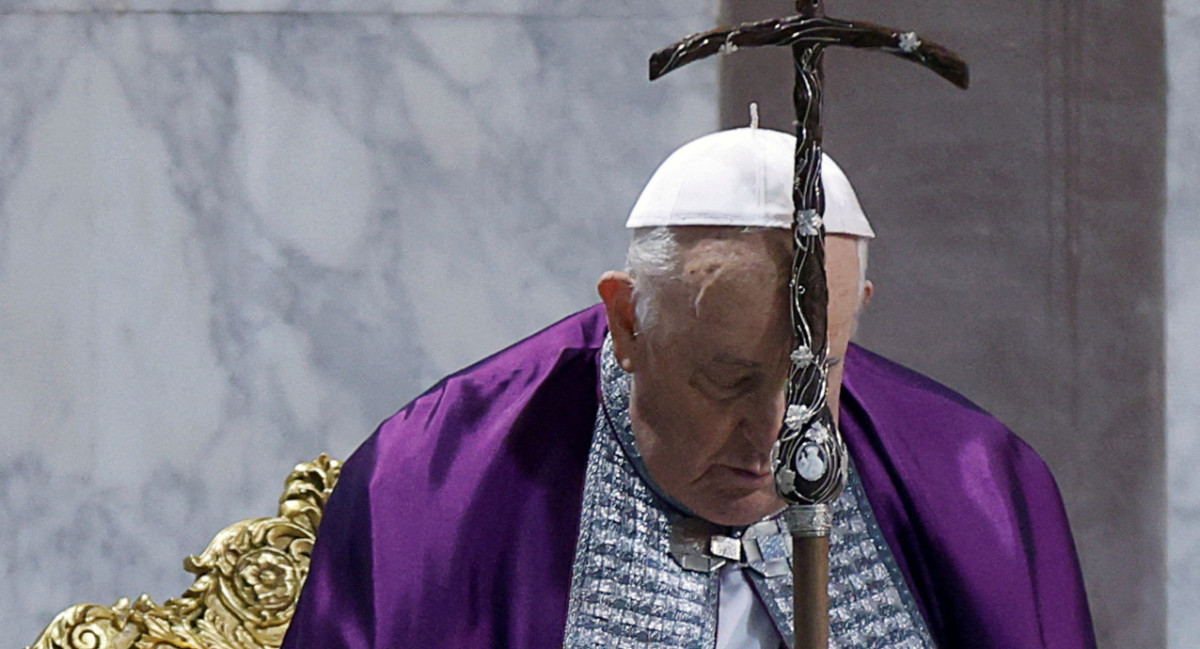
(810, 461)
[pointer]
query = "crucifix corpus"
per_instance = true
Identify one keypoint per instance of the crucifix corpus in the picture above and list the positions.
(810, 457)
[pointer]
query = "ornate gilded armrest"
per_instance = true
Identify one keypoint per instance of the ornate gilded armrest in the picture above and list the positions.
(247, 584)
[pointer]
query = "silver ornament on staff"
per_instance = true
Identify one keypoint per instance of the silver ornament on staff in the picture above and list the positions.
(810, 460)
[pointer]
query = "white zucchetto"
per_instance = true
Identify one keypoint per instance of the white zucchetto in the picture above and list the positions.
(741, 178)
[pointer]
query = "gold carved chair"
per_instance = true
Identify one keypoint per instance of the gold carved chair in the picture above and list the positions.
(247, 584)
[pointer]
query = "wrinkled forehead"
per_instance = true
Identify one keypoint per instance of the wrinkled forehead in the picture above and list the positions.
(745, 246)
(729, 273)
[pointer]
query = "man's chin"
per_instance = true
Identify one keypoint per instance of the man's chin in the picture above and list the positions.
(746, 510)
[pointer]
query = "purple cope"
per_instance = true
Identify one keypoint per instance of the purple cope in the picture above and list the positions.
(455, 523)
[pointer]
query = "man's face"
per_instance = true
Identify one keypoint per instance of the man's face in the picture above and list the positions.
(708, 378)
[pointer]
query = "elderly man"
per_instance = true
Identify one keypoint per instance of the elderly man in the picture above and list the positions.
(607, 481)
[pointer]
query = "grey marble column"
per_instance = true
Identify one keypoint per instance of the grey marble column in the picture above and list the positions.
(237, 233)
(1182, 249)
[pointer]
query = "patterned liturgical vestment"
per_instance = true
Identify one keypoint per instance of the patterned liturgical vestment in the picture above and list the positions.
(628, 590)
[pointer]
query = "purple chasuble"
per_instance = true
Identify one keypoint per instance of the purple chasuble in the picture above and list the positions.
(455, 524)
(971, 512)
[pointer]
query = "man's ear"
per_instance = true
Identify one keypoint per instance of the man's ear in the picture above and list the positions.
(616, 289)
(867, 292)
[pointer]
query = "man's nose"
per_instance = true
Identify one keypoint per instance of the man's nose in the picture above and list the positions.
(762, 415)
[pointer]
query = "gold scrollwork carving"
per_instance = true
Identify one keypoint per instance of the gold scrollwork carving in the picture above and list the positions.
(247, 582)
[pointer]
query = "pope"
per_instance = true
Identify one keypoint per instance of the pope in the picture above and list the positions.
(607, 481)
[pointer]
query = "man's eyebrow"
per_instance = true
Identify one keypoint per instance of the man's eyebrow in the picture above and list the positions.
(727, 359)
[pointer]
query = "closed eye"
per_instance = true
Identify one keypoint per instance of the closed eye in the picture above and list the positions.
(725, 386)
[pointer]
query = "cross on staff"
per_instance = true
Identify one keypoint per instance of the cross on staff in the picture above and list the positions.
(810, 460)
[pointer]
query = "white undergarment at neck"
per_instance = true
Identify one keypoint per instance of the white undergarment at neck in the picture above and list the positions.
(743, 621)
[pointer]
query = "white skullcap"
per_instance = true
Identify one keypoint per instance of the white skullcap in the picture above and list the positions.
(741, 178)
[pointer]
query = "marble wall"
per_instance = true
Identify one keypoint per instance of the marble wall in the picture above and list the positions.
(237, 233)
(1181, 244)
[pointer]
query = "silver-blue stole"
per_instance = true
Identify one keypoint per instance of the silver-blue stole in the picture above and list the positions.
(630, 587)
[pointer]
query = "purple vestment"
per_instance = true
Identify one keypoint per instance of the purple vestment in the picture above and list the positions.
(455, 524)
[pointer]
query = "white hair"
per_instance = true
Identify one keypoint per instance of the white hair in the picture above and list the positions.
(653, 259)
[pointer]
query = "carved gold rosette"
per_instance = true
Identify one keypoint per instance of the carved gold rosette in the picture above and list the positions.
(247, 584)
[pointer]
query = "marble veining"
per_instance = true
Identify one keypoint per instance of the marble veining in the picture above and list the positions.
(229, 242)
